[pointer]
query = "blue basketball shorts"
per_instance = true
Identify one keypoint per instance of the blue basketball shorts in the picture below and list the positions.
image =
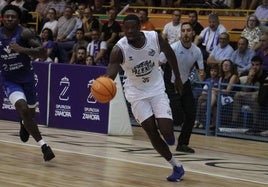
(17, 91)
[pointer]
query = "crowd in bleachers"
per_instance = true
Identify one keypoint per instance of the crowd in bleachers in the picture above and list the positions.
(72, 33)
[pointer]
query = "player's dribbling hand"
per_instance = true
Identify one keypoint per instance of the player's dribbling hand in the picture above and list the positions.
(178, 86)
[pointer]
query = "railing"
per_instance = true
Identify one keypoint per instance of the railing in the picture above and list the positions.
(35, 21)
(246, 111)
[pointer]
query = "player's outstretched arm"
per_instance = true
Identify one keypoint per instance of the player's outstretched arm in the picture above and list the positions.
(35, 49)
(116, 58)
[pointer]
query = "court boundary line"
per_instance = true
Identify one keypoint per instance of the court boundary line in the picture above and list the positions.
(136, 162)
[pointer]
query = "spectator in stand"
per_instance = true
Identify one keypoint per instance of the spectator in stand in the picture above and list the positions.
(222, 51)
(263, 51)
(80, 10)
(98, 49)
(90, 60)
(249, 4)
(48, 42)
(110, 30)
(58, 5)
(90, 23)
(172, 30)
(81, 56)
(247, 96)
(177, 3)
(193, 19)
(42, 13)
(166, 3)
(212, 80)
(30, 5)
(80, 42)
(209, 36)
(144, 19)
(19, 3)
(228, 74)
(144, 2)
(262, 12)
(252, 31)
(242, 56)
(98, 7)
(26, 6)
(78, 25)
(41, 9)
(3, 3)
(52, 22)
(65, 40)
(260, 76)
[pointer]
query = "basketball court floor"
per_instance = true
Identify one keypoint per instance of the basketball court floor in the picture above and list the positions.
(85, 159)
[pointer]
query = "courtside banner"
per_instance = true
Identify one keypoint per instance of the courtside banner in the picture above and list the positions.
(41, 70)
(71, 104)
(8, 112)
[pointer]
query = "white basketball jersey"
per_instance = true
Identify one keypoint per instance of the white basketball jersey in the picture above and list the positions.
(143, 78)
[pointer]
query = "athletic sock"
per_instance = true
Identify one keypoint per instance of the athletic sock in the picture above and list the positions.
(174, 162)
(41, 142)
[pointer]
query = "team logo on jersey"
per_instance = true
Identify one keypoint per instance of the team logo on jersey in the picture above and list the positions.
(144, 68)
(7, 49)
(151, 52)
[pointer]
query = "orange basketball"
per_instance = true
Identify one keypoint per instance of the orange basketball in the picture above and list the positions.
(103, 89)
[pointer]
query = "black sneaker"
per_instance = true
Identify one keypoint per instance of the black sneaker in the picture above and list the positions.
(47, 152)
(185, 148)
(24, 135)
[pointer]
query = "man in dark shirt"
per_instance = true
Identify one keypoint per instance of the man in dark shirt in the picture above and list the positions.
(193, 19)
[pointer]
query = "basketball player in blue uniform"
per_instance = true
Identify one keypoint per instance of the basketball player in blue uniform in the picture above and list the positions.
(17, 46)
(138, 55)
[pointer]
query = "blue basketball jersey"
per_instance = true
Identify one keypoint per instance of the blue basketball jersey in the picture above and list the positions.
(15, 67)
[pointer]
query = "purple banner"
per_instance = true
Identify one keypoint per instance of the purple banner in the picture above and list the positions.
(71, 104)
(41, 70)
(8, 112)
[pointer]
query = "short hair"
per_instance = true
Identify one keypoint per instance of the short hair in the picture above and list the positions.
(81, 48)
(257, 58)
(213, 16)
(187, 23)
(53, 9)
(80, 29)
(243, 38)
(176, 10)
(193, 12)
(214, 67)
(144, 10)
(12, 7)
(132, 17)
(226, 34)
(69, 7)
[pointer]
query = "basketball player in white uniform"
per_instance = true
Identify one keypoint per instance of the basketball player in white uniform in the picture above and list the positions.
(138, 55)
(187, 53)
